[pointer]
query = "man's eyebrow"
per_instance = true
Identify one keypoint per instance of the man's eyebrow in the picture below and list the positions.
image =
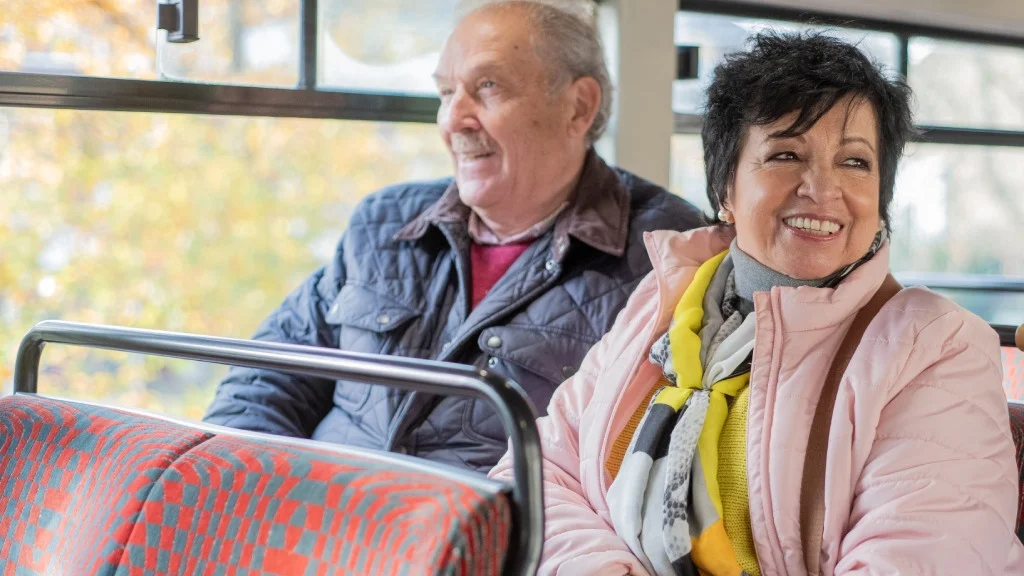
(483, 69)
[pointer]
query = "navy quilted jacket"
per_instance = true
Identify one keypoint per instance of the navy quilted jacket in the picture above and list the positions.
(399, 284)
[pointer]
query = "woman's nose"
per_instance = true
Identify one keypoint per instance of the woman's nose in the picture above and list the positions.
(821, 183)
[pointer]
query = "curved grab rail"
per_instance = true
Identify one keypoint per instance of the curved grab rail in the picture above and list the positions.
(514, 407)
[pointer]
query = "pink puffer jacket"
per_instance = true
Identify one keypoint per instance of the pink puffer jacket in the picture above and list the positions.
(920, 475)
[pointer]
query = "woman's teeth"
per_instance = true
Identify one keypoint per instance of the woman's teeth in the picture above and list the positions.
(820, 227)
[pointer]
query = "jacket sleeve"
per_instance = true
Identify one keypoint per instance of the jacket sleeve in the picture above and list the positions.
(576, 539)
(277, 403)
(938, 494)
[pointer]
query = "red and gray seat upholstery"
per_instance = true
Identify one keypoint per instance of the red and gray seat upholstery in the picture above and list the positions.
(87, 489)
(1013, 373)
(107, 491)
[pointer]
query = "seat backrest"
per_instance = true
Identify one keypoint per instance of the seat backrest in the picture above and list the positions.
(1013, 373)
(1017, 428)
(112, 490)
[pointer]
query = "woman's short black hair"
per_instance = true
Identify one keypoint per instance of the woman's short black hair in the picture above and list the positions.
(807, 73)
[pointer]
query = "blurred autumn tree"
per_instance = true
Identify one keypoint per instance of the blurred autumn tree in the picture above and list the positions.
(188, 223)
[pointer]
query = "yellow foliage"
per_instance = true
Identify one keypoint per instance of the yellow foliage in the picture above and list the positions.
(175, 222)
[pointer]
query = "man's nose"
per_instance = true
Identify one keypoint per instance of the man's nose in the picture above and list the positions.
(458, 113)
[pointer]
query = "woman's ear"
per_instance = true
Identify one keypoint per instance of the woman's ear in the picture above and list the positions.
(724, 209)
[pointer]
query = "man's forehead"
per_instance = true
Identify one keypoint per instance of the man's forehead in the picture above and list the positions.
(487, 39)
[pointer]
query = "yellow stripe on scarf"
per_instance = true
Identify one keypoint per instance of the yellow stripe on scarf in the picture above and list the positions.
(684, 341)
(684, 336)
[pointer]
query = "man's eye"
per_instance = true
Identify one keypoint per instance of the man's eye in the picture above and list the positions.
(488, 84)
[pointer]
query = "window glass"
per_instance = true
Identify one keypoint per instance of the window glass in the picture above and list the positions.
(114, 39)
(718, 35)
(967, 85)
(383, 45)
(186, 223)
(240, 42)
(686, 171)
(959, 210)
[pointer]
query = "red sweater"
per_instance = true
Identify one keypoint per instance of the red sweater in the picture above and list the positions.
(489, 263)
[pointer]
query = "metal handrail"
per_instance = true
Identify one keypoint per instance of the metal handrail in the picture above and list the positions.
(513, 406)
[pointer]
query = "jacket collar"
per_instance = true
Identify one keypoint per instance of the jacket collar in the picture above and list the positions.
(675, 256)
(598, 214)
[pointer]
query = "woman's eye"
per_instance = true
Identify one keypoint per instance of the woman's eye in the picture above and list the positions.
(783, 156)
(857, 163)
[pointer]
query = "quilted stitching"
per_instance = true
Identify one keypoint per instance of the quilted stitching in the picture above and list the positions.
(74, 478)
(422, 275)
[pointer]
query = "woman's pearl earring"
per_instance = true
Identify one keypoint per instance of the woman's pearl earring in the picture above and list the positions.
(725, 215)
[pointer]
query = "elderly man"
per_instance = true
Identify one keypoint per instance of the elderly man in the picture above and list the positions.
(520, 264)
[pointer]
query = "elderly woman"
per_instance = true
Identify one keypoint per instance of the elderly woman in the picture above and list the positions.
(770, 401)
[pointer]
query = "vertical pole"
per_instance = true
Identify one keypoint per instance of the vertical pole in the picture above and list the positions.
(308, 44)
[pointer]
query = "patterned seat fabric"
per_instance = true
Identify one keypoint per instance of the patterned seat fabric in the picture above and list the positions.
(1017, 427)
(303, 511)
(120, 493)
(1013, 373)
(74, 478)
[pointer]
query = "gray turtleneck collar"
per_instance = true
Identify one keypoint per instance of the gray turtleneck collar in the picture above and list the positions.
(752, 276)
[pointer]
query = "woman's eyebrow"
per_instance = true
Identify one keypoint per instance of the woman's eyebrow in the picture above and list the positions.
(849, 139)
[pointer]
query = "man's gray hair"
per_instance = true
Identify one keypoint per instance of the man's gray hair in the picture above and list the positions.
(564, 34)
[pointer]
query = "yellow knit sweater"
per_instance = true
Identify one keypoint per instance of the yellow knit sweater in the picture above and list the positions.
(732, 481)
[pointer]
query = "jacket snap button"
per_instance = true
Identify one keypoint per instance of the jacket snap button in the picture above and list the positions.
(383, 319)
(549, 265)
(494, 342)
(568, 371)
(493, 362)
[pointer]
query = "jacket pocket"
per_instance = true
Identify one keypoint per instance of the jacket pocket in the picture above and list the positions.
(370, 323)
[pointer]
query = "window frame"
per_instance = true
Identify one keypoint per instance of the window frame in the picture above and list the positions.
(305, 100)
(691, 123)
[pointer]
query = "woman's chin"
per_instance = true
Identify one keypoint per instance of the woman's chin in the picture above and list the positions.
(804, 270)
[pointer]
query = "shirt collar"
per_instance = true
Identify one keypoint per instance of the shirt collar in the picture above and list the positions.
(597, 214)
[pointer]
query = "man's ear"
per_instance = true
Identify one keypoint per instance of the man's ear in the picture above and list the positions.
(585, 97)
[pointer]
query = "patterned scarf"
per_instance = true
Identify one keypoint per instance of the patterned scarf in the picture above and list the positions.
(665, 501)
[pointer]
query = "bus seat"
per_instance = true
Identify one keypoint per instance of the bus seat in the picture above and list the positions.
(74, 479)
(1013, 373)
(1017, 428)
(167, 497)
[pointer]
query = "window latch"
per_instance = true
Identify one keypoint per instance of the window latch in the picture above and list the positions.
(180, 18)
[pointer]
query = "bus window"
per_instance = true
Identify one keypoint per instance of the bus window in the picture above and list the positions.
(987, 90)
(188, 223)
(717, 35)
